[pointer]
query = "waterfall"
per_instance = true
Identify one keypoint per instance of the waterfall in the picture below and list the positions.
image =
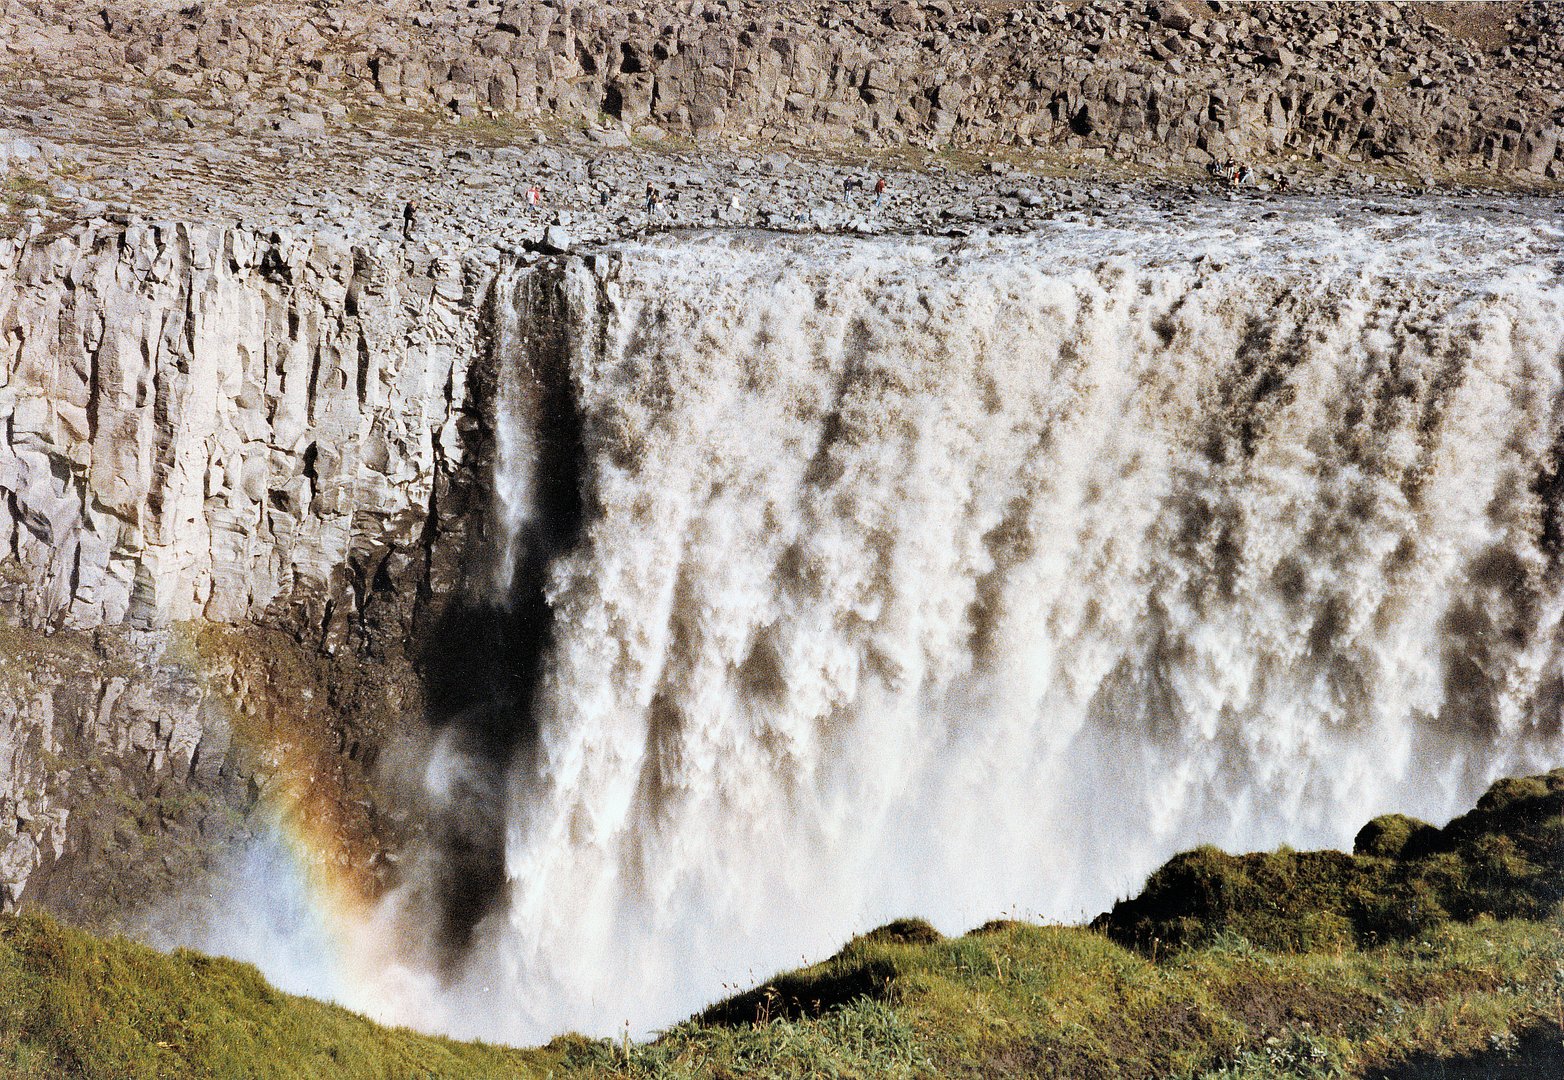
(488, 653)
(515, 476)
(852, 579)
(954, 578)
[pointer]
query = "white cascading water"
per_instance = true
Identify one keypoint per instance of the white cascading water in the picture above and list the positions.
(956, 578)
(515, 478)
(959, 578)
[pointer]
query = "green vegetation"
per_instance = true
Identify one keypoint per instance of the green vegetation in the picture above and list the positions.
(1290, 964)
(75, 1005)
(19, 193)
(1504, 860)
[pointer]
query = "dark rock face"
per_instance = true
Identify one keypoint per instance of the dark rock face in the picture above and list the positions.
(1179, 83)
(159, 749)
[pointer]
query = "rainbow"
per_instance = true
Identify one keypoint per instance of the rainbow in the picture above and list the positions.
(276, 703)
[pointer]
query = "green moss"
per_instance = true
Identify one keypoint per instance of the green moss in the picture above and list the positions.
(1504, 859)
(844, 980)
(74, 1005)
(905, 932)
(1508, 794)
(1387, 836)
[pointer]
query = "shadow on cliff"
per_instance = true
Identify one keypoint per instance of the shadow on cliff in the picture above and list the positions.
(483, 658)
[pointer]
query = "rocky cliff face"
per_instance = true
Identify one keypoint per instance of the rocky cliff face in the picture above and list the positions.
(210, 428)
(217, 425)
(1172, 83)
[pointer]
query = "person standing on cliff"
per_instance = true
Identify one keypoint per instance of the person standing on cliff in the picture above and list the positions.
(879, 191)
(534, 196)
(409, 218)
(656, 212)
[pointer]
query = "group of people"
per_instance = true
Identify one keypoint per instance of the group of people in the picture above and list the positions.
(654, 201)
(413, 207)
(1235, 174)
(856, 183)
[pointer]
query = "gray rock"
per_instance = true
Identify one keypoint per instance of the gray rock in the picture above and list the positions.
(1173, 17)
(556, 240)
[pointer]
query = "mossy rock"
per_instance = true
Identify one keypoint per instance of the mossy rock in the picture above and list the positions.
(806, 994)
(1390, 835)
(1506, 794)
(905, 932)
(1504, 859)
(996, 926)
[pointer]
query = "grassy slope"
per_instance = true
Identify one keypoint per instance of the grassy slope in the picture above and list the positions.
(1010, 999)
(75, 1005)
(1062, 1001)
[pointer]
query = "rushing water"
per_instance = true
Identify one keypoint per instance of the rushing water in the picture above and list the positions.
(964, 577)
